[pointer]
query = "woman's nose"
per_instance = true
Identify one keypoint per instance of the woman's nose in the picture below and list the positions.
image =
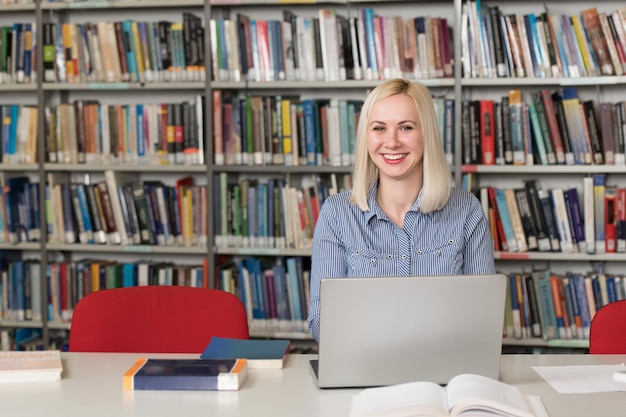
(391, 139)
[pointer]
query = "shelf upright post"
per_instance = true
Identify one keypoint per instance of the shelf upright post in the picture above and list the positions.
(458, 97)
(208, 148)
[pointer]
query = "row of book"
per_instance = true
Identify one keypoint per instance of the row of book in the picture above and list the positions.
(25, 339)
(92, 133)
(558, 306)
(68, 282)
(123, 210)
(19, 210)
(152, 133)
(125, 51)
(330, 47)
(547, 128)
(17, 53)
(18, 134)
(270, 213)
(531, 218)
(283, 130)
(499, 44)
(274, 292)
(288, 130)
(119, 210)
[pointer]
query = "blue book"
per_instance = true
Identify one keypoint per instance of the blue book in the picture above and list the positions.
(309, 131)
(12, 148)
(250, 282)
(294, 292)
(186, 374)
(503, 212)
(261, 353)
(578, 332)
(543, 288)
(271, 218)
(261, 212)
(129, 46)
(611, 288)
(141, 133)
(244, 287)
(281, 295)
(372, 64)
(81, 197)
(129, 274)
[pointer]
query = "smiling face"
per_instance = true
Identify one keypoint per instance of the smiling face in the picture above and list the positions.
(394, 139)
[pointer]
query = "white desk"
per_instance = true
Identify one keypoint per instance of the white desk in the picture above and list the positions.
(92, 386)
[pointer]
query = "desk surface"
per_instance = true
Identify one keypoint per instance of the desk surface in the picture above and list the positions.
(92, 386)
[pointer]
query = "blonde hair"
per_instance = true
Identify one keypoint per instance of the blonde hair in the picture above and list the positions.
(437, 178)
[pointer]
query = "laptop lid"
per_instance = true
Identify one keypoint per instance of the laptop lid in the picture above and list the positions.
(390, 330)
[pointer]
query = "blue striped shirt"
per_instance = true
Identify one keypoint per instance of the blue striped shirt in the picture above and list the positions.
(349, 242)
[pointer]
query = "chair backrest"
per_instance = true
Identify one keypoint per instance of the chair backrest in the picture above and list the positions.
(155, 319)
(608, 329)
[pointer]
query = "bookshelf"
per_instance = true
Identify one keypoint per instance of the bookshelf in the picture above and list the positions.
(592, 86)
(216, 255)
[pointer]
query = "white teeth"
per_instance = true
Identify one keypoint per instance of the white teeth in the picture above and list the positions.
(395, 156)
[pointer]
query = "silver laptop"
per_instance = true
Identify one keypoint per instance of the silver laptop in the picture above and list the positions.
(390, 330)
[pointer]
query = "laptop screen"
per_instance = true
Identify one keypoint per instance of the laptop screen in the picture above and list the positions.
(389, 330)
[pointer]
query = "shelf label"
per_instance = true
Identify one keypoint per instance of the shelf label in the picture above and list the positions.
(226, 1)
(90, 5)
(259, 251)
(512, 255)
(108, 86)
(138, 249)
(589, 81)
(466, 169)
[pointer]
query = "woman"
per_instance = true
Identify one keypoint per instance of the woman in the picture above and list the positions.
(403, 217)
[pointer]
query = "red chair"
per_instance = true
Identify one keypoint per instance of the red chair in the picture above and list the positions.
(155, 319)
(608, 329)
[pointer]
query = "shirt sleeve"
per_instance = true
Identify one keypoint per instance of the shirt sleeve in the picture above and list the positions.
(478, 256)
(328, 259)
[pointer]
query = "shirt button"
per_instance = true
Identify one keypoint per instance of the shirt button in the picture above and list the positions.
(358, 252)
(419, 251)
(450, 242)
(373, 261)
(437, 252)
(403, 256)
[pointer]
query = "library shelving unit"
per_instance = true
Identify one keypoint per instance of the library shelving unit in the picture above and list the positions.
(218, 255)
(592, 87)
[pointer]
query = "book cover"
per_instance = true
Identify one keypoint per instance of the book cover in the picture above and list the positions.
(562, 220)
(543, 289)
(592, 133)
(261, 354)
(610, 218)
(517, 135)
(532, 192)
(527, 218)
(598, 193)
(186, 374)
(591, 20)
(31, 366)
(621, 219)
(487, 131)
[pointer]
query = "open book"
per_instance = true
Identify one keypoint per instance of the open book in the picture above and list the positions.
(465, 394)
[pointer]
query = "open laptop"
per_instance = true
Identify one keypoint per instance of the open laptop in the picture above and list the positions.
(390, 330)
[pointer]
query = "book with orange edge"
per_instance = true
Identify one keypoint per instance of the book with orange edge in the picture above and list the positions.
(186, 374)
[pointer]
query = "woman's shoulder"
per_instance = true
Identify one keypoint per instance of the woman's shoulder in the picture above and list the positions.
(339, 198)
(459, 196)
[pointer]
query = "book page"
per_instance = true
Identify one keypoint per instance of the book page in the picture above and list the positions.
(410, 399)
(474, 392)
